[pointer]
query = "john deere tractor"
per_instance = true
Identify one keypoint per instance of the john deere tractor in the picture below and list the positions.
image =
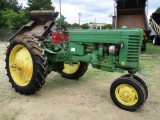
(40, 48)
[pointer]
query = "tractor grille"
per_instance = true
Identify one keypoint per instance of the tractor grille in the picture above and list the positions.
(133, 48)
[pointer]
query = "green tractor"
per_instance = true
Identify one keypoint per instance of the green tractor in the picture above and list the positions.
(38, 49)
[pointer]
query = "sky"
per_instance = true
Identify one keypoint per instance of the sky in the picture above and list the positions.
(91, 10)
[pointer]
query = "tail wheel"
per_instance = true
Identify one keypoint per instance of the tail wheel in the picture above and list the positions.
(127, 93)
(25, 65)
(74, 71)
(140, 81)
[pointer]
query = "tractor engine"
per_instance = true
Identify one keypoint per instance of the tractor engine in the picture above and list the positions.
(113, 50)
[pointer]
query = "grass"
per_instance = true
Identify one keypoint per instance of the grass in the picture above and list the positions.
(152, 49)
(149, 61)
(151, 57)
(1, 42)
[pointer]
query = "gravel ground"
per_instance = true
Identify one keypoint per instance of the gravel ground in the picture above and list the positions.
(62, 99)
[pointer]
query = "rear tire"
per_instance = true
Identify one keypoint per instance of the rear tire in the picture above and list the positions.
(25, 65)
(74, 71)
(127, 93)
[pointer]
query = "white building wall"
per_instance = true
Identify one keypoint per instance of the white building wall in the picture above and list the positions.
(96, 25)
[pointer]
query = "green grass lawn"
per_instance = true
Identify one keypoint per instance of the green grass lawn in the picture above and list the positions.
(150, 62)
(152, 49)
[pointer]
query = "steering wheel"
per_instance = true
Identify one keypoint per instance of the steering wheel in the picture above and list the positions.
(61, 31)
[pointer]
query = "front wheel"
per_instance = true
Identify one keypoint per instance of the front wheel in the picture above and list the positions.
(140, 81)
(127, 93)
(74, 71)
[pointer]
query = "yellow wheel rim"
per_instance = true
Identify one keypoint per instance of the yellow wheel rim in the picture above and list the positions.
(126, 95)
(70, 69)
(20, 65)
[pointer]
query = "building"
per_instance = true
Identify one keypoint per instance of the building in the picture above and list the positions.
(96, 25)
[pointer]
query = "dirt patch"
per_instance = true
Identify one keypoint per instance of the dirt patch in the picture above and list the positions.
(158, 70)
(145, 55)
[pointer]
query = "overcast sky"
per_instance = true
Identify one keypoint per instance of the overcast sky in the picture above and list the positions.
(91, 10)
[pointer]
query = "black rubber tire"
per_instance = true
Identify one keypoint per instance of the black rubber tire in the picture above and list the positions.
(136, 85)
(39, 65)
(79, 73)
(156, 40)
(143, 47)
(140, 81)
(151, 37)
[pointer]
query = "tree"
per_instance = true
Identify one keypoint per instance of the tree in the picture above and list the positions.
(75, 25)
(158, 10)
(85, 26)
(40, 5)
(13, 20)
(2, 4)
(107, 26)
(5, 5)
(63, 21)
(10, 4)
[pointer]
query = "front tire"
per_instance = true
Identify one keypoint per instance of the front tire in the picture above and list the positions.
(140, 81)
(127, 93)
(25, 65)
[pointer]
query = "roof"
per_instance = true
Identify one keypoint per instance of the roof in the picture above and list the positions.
(131, 3)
